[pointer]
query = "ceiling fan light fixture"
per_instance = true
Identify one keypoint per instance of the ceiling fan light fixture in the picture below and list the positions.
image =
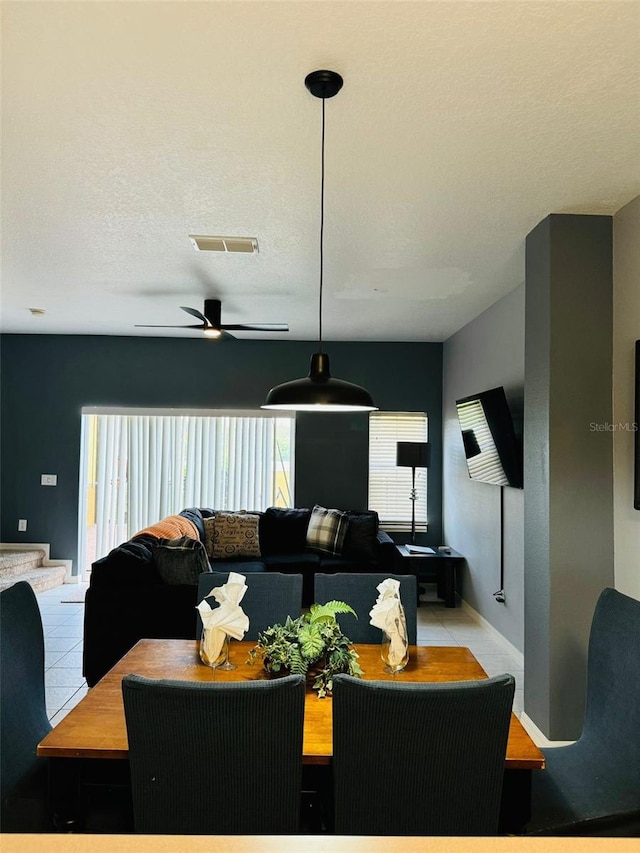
(212, 333)
(319, 391)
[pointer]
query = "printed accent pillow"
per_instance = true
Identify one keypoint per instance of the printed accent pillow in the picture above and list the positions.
(235, 534)
(209, 528)
(327, 530)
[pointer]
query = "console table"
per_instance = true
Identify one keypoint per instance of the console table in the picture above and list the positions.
(445, 565)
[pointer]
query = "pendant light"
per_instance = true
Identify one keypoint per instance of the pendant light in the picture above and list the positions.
(319, 391)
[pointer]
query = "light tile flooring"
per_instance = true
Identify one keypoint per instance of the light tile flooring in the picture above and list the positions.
(65, 685)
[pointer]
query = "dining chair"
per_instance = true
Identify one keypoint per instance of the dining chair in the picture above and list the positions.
(23, 713)
(211, 758)
(360, 591)
(269, 599)
(592, 787)
(419, 759)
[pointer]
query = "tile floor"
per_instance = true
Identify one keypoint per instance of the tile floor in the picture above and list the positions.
(62, 621)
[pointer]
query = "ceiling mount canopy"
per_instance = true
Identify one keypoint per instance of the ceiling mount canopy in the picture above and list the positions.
(319, 391)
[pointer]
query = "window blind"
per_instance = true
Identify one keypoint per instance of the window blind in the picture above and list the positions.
(389, 485)
(151, 465)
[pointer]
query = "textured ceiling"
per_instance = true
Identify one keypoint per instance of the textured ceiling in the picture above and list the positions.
(128, 126)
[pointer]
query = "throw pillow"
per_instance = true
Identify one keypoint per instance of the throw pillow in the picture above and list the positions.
(180, 561)
(209, 528)
(327, 529)
(360, 541)
(235, 534)
(284, 530)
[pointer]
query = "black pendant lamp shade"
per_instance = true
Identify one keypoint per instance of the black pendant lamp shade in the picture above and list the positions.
(319, 391)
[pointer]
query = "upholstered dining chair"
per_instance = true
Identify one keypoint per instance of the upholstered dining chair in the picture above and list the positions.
(215, 758)
(419, 759)
(360, 591)
(23, 713)
(592, 787)
(269, 599)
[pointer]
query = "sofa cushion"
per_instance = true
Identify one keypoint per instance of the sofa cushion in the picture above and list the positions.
(304, 562)
(283, 531)
(180, 561)
(327, 529)
(360, 542)
(242, 567)
(129, 563)
(232, 535)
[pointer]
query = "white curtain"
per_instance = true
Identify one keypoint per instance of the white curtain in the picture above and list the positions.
(150, 466)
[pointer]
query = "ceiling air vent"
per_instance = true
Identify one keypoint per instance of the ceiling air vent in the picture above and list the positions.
(246, 245)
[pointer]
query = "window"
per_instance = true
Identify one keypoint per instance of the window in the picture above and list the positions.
(140, 465)
(389, 485)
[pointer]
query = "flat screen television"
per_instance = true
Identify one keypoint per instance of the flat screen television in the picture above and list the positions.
(491, 448)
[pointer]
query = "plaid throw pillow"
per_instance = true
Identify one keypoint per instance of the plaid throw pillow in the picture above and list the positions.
(327, 529)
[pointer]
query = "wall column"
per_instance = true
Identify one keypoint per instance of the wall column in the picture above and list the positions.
(568, 498)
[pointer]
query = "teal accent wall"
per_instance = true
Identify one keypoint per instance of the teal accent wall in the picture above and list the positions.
(47, 379)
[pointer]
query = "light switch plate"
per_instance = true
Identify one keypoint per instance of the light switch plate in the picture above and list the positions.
(49, 480)
(22, 525)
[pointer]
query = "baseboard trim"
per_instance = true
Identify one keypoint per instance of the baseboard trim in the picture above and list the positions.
(47, 562)
(497, 636)
(538, 736)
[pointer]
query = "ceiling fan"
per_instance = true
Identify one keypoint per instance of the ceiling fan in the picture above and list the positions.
(212, 326)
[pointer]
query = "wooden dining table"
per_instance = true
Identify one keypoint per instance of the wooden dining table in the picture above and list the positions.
(96, 728)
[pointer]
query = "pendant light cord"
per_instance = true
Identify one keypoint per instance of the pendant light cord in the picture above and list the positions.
(321, 236)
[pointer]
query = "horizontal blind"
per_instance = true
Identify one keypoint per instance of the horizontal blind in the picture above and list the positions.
(486, 465)
(389, 485)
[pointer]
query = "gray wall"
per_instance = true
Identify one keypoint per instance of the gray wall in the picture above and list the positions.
(568, 464)
(47, 379)
(626, 331)
(486, 353)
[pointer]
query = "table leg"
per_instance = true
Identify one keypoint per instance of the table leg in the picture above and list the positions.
(65, 783)
(448, 574)
(515, 807)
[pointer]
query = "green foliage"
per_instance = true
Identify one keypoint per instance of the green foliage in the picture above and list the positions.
(311, 644)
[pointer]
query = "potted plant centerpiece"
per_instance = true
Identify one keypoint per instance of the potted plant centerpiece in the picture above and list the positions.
(312, 645)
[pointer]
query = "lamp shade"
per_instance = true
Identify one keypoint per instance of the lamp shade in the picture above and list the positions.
(319, 392)
(413, 454)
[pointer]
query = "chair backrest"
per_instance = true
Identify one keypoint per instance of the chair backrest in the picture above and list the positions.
(215, 758)
(419, 759)
(269, 599)
(360, 592)
(23, 714)
(612, 712)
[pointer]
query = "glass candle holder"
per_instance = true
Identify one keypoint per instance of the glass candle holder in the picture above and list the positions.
(394, 649)
(214, 649)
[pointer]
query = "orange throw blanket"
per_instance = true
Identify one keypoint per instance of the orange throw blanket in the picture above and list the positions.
(171, 527)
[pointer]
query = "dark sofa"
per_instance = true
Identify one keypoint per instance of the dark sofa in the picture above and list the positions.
(132, 594)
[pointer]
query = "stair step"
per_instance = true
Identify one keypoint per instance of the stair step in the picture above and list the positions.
(40, 579)
(17, 562)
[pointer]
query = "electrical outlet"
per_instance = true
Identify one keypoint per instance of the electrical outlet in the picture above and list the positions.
(22, 525)
(49, 480)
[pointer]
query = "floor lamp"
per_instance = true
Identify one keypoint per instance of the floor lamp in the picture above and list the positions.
(413, 454)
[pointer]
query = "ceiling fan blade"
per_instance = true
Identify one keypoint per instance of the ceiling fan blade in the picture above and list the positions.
(256, 327)
(195, 313)
(146, 326)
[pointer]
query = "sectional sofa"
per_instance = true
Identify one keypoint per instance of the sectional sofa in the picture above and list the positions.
(147, 587)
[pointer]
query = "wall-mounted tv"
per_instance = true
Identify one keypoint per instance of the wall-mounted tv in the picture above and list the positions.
(491, 448)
